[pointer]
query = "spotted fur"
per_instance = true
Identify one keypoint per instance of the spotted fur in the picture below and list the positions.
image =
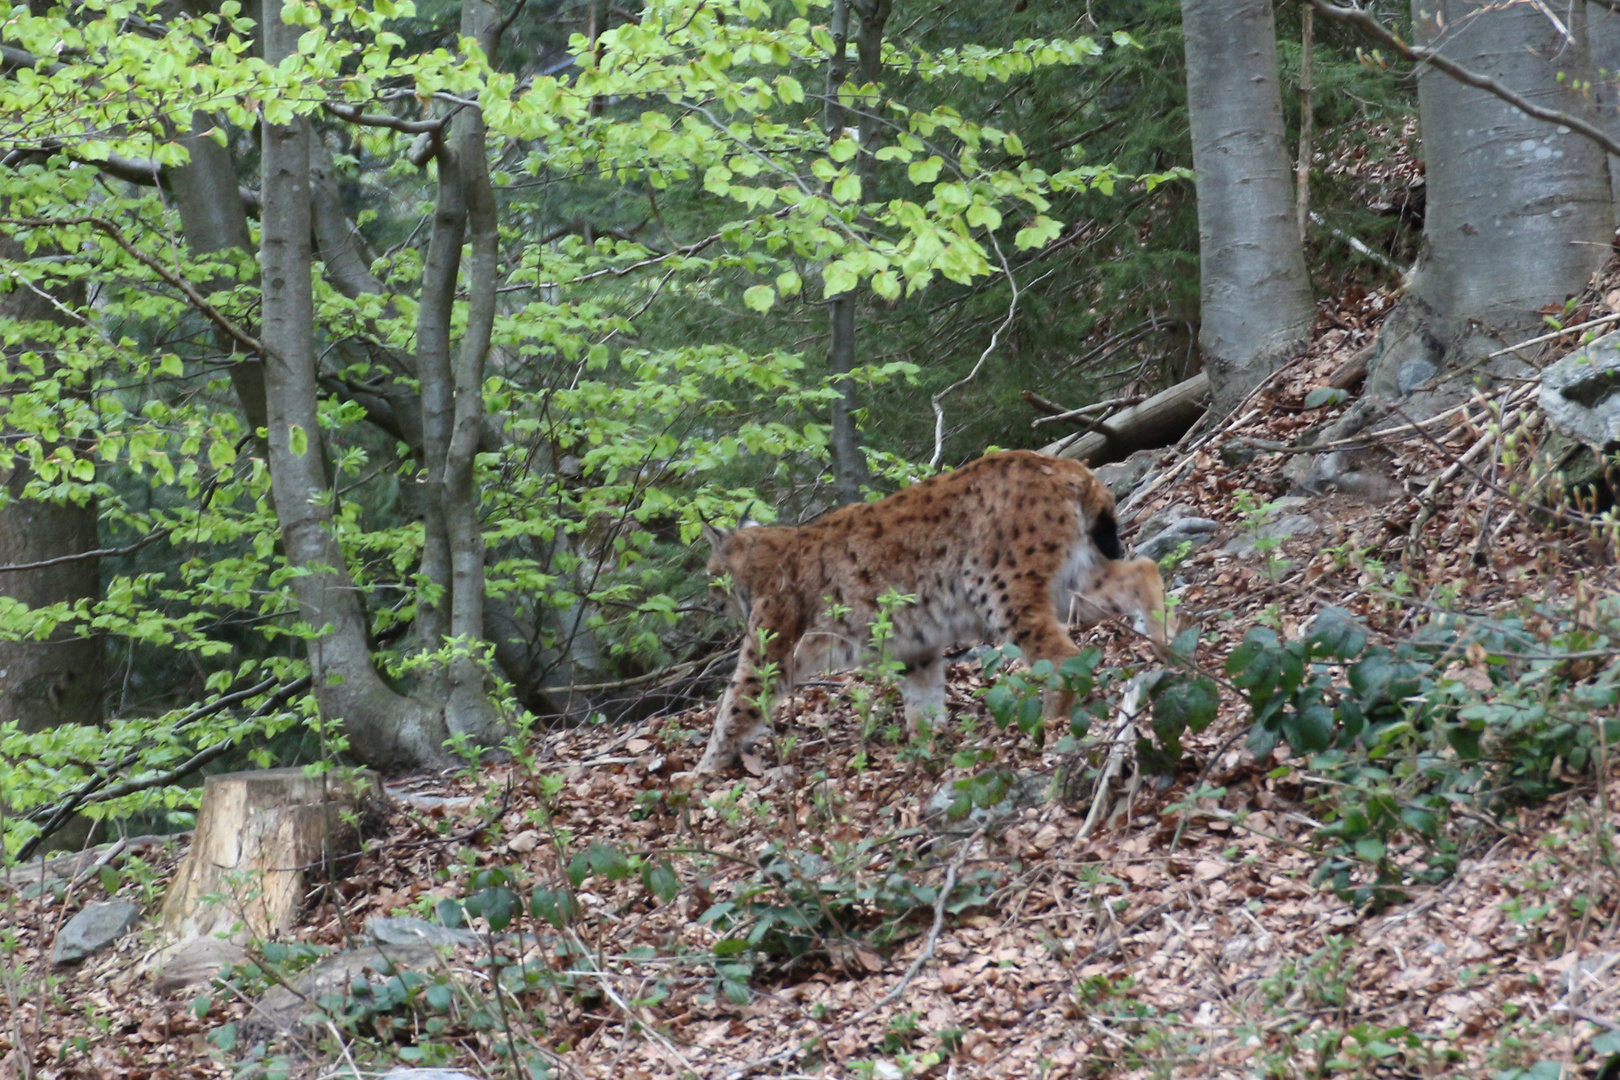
(1007, 548)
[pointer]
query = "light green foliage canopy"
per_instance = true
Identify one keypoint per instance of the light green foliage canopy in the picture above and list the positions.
(610, 439)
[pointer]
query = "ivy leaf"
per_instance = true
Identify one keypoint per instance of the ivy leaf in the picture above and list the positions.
(608, 861)
(297, 440)
(556, 906)
(1184, 703)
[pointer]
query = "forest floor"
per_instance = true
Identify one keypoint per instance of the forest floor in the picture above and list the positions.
(1186, 936)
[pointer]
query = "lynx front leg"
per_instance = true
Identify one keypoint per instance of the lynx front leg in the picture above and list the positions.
(1044, 638)
(740, 721)
(922, 691)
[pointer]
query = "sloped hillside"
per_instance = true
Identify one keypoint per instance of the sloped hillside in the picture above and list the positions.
(826, 914)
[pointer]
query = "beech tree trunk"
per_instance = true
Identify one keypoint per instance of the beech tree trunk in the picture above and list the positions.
(1603, 35)
(57, 680)
(1520, 213)
(849, 461)
(212, 218)
(394, 405)
(1256, 295)
(385, 729)
(468, 709)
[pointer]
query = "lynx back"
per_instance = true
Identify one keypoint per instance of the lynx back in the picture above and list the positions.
(1007, 548)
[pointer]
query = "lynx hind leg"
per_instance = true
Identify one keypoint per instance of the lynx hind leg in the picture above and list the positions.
(740, 721)
(1130, 589)
(922, 690)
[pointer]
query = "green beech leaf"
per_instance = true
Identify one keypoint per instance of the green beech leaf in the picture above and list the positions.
(926, 171)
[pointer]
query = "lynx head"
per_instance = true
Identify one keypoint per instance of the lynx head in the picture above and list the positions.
(727, 588)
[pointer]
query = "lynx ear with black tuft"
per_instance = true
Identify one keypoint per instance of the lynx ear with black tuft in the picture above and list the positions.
(717, 537)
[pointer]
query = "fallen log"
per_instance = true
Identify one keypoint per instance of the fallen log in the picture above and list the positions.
(1353, 372)
(1158, 421)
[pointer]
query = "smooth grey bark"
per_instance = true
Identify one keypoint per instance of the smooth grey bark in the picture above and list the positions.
(45, 684)
(440, 270)
(1256, 306)
(849, 460)
(392, 403)
(385, 729)
(213, 218)
(1520, 213)
(1603, 35)
(469, 709)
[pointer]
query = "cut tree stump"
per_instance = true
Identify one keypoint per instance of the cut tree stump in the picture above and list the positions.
(1158, 421)
(260, 837)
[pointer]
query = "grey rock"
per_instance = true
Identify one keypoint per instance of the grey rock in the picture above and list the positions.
(1196, 531)
(193, 964)
(1282, 529)
(93, 929)
(284, 1007)
(428, 802)
(1162, 520)
(1028, 789)
(1414, 373)
(1580, 394)
(1287, 503)
(1242, 451)
(1123, 477)
(407, 930)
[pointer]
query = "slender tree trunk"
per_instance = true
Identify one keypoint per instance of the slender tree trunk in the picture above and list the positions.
(1307, 118)
(869, 71)
(385, 729)
(1256, 305)
(58, 680)
(212, 218)
(1519, 213)
(849, 461)
(469, 709)
(440, 272)
(1603, 31)
(395, 406)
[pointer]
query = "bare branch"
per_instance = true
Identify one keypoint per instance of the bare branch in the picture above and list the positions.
(215, 316)
(55, 815)
(938, 400)
(355, 115)
(60, 560)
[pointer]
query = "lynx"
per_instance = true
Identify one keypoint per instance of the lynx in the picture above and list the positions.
(1006, 548)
